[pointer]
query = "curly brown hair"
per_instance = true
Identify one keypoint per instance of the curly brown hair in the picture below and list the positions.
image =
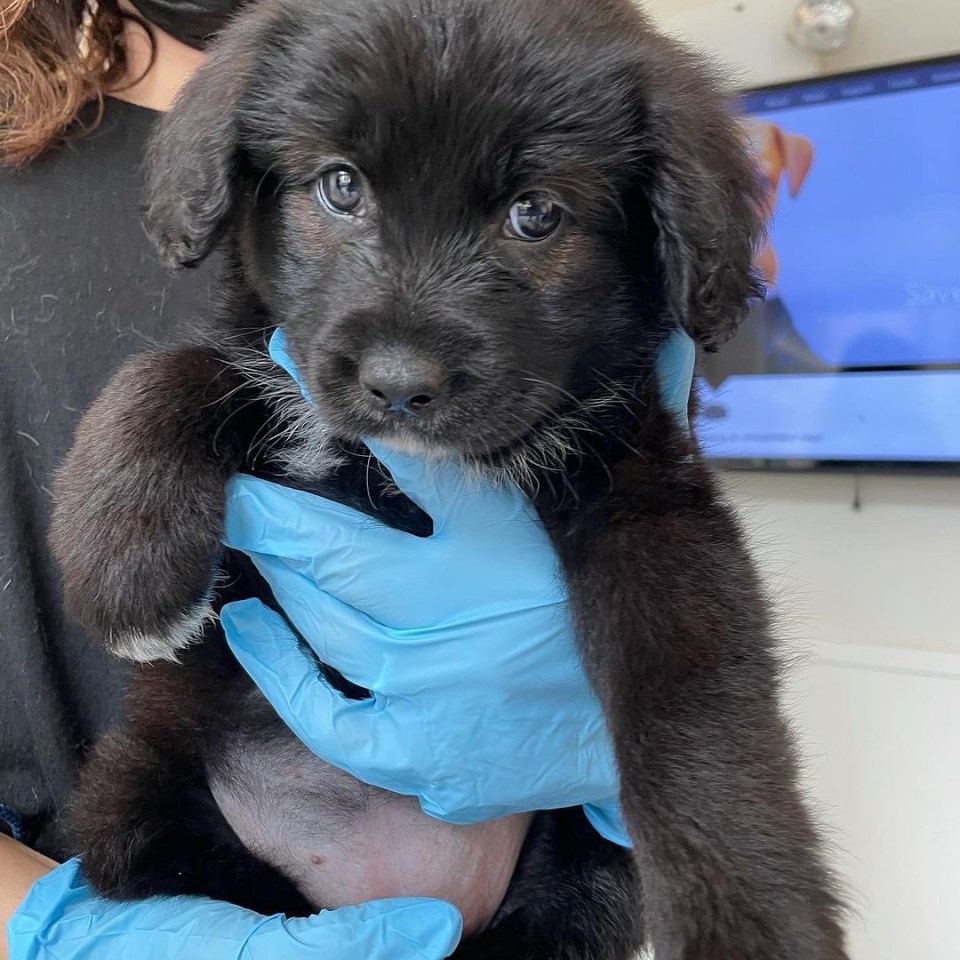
(56, 58)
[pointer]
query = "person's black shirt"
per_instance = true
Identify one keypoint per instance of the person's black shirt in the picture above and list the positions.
(80, 291)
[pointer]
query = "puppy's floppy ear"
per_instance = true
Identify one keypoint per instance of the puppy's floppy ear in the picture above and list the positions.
(706, 197)
(193, 162)
(191, 166)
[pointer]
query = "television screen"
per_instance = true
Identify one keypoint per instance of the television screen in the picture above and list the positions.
(855, 354)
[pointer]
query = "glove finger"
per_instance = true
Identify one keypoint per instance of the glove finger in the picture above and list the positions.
(267, 518)
(675, 363)
(454, 499)
(432, 484)
(340, 635)
(328, 723)
(281, 356)
(607, 820)
(395, 929)
(363, 737)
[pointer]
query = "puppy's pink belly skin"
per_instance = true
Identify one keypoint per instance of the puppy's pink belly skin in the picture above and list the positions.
(343, 842)
(396, 853)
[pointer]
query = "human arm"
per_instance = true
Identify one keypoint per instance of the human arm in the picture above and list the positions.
(20, 868)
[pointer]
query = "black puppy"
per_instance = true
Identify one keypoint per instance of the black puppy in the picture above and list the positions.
(476, 221)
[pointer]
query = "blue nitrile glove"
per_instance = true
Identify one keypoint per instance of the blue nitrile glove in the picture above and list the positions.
(62, 919)
(675, 363)
(480, 706)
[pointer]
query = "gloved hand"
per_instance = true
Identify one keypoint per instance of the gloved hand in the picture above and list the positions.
(480, 707)
(62, 919)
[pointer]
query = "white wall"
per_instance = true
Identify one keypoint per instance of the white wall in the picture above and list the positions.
(868, 600)
(748, 35)
(886, 575)
(870, 596)
(752, 34)
(880, 733)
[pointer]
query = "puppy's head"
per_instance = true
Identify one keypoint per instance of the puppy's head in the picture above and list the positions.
(462, 212)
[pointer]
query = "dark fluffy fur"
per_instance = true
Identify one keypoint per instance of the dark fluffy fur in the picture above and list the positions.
(450, 108)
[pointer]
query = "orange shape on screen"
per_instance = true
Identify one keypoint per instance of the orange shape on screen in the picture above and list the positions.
(779, 154)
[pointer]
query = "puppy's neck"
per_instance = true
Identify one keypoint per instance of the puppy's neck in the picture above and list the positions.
(572, 458)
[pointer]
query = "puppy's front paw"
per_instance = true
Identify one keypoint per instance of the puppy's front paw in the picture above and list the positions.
(137, 554)
(140, 503)
(163, 643)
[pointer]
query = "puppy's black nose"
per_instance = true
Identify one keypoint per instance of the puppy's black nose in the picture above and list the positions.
(401, 382)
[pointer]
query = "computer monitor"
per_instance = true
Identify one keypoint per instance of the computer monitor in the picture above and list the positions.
(854, 358)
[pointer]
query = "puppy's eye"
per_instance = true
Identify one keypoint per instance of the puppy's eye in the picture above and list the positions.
(340, 190)
(534, 216)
